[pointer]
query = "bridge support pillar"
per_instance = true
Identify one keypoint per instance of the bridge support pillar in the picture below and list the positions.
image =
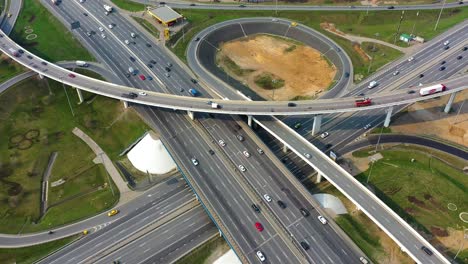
(317, 124)
(191, 115)
(319, 178)
(80, 95)
(249, 120)
(449, 103)
(285, 148)
(388, 117)
(125, 104)
(41, 76)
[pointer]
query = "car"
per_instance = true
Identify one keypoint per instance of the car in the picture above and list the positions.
(240, 138)
(169, 64)
(133, 35)
(167, 69)
(259, 226)
(88, 33)
(211, 152)
(346, 74)
(167, 75)
(446, 47)
(372, 84)
(304, 212)
(71, 75)
(132, 59)
(106, 13)
(411, 58)
(291, 104)
(395, 73)
(149, 78)
(363, 260)
(465, 48)
(274, 20)
(153, 61)
(427, 250)
(103, 36)
(442, 68)
(246, 153)
(256, 208)
(149, 65)
(442, 62)
(281, 204)
(297, 125)
(324, 135)
(222, 143)
(305, 245)
(142, 77)
(85, 232)
(293, 24)
(391, 7)
(322, 219)
(193, 81)
(267, 198)
(192, 4)
(195, 161)
(162, 3)
(327, 146)
(361, 94)
(111, 26)
(85, 14)
(421, 75)
(460, 57)
(411, 91)
(20, 51)
(29, 57)
(367, 126)
(101, 29)
(260, 151)
(142, 93)
(242, 6)
(242, 168)
(420, 84)
(307, 155)
(446, 43)
(260, 256)
(113, 212)
(148, 45)
(44, 63)
(132, 95)
(460, 2)
(197, 39)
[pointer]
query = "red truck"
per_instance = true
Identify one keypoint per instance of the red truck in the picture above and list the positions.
(363, 102)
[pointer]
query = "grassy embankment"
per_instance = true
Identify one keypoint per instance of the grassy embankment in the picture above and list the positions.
(203, 253)
(129, 5)
(148, 26)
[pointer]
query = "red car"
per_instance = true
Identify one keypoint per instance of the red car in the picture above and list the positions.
(71, 75)
(142, 77)
(259, 226)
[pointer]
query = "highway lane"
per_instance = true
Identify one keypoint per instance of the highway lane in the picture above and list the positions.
(14, 8)
(129, 222)
(161, 246)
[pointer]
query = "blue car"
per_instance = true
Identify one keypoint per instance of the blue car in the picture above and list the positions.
(149, 78)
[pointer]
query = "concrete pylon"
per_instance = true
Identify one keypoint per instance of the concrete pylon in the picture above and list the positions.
(285, 148)
(388, 117)
(319, 178)
(317, 124)
(41, 76)
(125, 104)
(80, 95)
(249, 120)
(448, 106)
(191, 115)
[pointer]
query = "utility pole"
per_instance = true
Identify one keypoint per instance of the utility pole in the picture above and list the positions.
(440, 14)
(399, 25)
(414, 25)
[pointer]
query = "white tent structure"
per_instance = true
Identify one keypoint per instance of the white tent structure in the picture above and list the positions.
(150, 155)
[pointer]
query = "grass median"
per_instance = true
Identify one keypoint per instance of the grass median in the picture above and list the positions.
(129, 5)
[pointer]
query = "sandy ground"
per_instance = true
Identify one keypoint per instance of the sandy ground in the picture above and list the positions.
(428, 118)
(305, 73)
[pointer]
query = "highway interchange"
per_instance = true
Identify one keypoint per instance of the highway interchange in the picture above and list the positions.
(185, 128)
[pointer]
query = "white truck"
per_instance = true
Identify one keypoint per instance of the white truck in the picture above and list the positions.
(81, 63)
(14, 52)
(214, 105)
(437, 88)
(56, 2)
(108, 8)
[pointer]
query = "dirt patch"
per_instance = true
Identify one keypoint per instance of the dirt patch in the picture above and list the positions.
(32, 18)
(439, 231)
(454, 239)
(428, 118)
(304, 71)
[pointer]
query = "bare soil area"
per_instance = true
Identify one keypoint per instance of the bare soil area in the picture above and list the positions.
(428, 118)
(304, 72)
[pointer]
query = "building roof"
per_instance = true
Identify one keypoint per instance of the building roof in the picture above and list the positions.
(164, 13)
(407, 36)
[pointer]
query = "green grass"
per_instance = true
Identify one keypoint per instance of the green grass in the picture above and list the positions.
(302, 97)
(54, 41)
(268, 81)
(231, 66)
(290, 48)
(28, 105)
(380, 54)
(129, 5)
(32, 254)
(202, 253)
(9, 69)
(356, 23)
(383, 130)
(148, 26)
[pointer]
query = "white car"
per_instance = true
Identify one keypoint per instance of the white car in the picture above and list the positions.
(307, 155)
(242, 168)
(260, 151)
(195, 161)
(246, 153)
(132, 35)
(411, 58)
(103, 35)
(127, 42)
(101, 29)
(260, 256)
(222, 143)
(267, 198)
(372, 84)
(322, 219)
(142, 93)
(367, 126)
(274, 20)
(395, 73)
(111, 26)
(364, 260)
(324, 135)
(446, 43)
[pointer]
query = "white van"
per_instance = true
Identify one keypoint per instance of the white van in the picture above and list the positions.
(81, 63)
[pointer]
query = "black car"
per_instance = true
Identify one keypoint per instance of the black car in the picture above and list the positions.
(411, 92)
(304, 212)
(391, 7)
(21, 51)
(211, 152)
(421, 75)
(446, 47)
(255, 207)
(281, 204)
(291, 104)
(192, 4)
(197, 39)
(428, 251)
(442, 62)
(193, 81)
(162, 3)
(132, 95)
(346, 74)
(460, 57)
(242, 6)
(85, 14)
(361, 94)
(442, 68)
(168, 69)
(148, 45)
(44, 63)
(150, 65)
(153, 61)
(29, 57)
(305, 245)
(327, 146)
(465, 48)
(132, 59)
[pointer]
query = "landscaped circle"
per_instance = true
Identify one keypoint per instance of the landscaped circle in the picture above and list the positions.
(452, 207)
(31, 36)
(464, 217)
(24, 144)
(29, 31)
(15, 139)
(32, 133)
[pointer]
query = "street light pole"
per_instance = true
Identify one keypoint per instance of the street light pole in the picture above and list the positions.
(414, 25)
(440, 14)
(276, 8)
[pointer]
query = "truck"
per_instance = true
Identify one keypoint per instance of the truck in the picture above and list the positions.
(81, 63)
(214, 105)
(437, 88)
(363, 102)
(193, 92)
(108, 8)
(14, 52)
